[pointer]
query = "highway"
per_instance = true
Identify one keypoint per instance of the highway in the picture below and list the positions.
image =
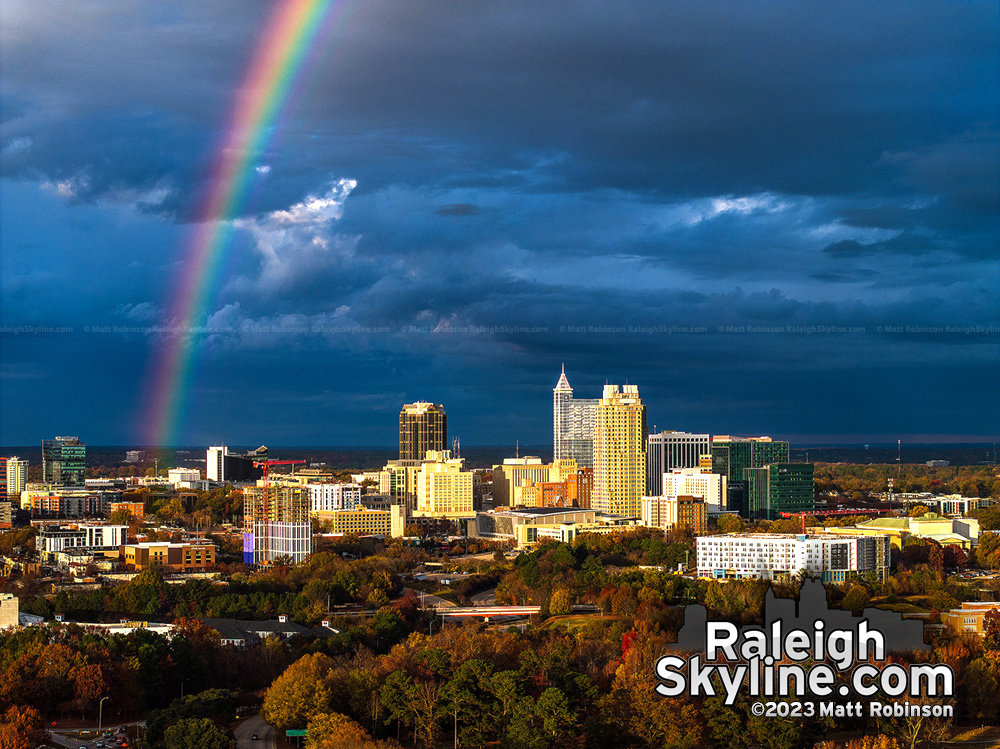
(485, 598)
(251, 726)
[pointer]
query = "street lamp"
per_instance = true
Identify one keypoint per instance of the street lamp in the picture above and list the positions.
(100, 714)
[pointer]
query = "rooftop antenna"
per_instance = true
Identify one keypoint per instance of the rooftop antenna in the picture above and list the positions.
(517, 448)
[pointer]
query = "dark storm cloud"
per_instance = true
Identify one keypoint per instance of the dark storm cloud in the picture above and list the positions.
(523, 170)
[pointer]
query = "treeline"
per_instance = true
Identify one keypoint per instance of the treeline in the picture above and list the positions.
(473, 686)
(64, 670)
(304, 592)
(859, 482)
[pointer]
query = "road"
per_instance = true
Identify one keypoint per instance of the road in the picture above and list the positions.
(428, 600)
(485, 598)
(251, 726)
(59, 736)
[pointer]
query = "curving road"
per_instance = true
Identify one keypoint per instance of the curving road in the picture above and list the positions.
(485, 598)
(251, 726)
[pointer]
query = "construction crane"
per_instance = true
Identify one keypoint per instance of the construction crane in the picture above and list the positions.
(265, 466)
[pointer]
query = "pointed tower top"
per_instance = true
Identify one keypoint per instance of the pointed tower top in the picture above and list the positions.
(563, 383)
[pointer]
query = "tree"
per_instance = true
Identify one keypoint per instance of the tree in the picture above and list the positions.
(21, 728)
(980, 684)
(197, 733)
(918, 511)
(856, 599)
(121, 516)
(337, 731)
(561, 602)
(299, 693)
(731, 524)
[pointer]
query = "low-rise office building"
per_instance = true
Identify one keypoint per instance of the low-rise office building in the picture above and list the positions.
(971, 617)
(179, 557)
(97, 538)
(528, 525)
(363, 521)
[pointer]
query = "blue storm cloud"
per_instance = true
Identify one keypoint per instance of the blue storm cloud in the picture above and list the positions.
(779, 219)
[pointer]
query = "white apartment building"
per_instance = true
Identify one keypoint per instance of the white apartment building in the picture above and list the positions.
(332, 497)
(778, 555)
(691, 482)
(88, 536)
(183, 475)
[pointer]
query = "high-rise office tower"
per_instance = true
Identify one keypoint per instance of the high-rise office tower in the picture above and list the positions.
(619, 452)
(670, 450)
(422, 427)
(572, 424)
(64, 461)
(733, 456)
(16, 475)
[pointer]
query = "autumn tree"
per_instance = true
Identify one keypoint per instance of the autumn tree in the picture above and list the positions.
(856, 599)
(561, 602)
(731, 523)
(21, 728)
(299, 693)
(337, 731)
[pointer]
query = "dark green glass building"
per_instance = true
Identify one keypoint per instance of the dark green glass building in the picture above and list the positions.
(777, 488)
(64, 461)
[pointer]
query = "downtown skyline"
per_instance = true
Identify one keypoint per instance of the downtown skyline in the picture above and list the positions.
(458, 200)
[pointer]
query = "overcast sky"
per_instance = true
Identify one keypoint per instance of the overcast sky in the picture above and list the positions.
(460, 197)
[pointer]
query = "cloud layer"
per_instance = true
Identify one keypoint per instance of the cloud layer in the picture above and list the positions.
(774, 219)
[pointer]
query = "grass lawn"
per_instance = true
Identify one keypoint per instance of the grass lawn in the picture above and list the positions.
(574, 622)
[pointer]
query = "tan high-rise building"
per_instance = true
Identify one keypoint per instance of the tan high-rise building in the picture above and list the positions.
(619, 452)
(17, 475)
(422, 427)
(444, 487)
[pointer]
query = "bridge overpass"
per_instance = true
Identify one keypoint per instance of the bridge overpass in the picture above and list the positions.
(491, 611)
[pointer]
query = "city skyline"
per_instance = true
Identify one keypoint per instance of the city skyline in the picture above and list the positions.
(774, 221)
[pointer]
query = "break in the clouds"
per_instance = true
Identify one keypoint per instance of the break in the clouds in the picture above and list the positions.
(460, 197)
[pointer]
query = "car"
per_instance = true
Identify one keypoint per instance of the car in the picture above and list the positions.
(254, 737)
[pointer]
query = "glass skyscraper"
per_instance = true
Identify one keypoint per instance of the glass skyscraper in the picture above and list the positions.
(572, 424)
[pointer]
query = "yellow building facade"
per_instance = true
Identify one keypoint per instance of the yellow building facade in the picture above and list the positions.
(619, 452)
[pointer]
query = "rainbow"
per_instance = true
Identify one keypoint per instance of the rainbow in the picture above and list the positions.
(295, 27)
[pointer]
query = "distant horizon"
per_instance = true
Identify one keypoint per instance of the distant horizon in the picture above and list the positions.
(981, 442)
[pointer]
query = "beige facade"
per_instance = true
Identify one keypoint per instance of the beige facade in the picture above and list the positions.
(513, 474)
(970, 618)
(444, 487)
(162, 555)
(669, 512)
(620, 452)
(8, 611)
(364, 522)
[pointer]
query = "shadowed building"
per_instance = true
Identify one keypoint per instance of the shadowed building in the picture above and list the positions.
(422, 427)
